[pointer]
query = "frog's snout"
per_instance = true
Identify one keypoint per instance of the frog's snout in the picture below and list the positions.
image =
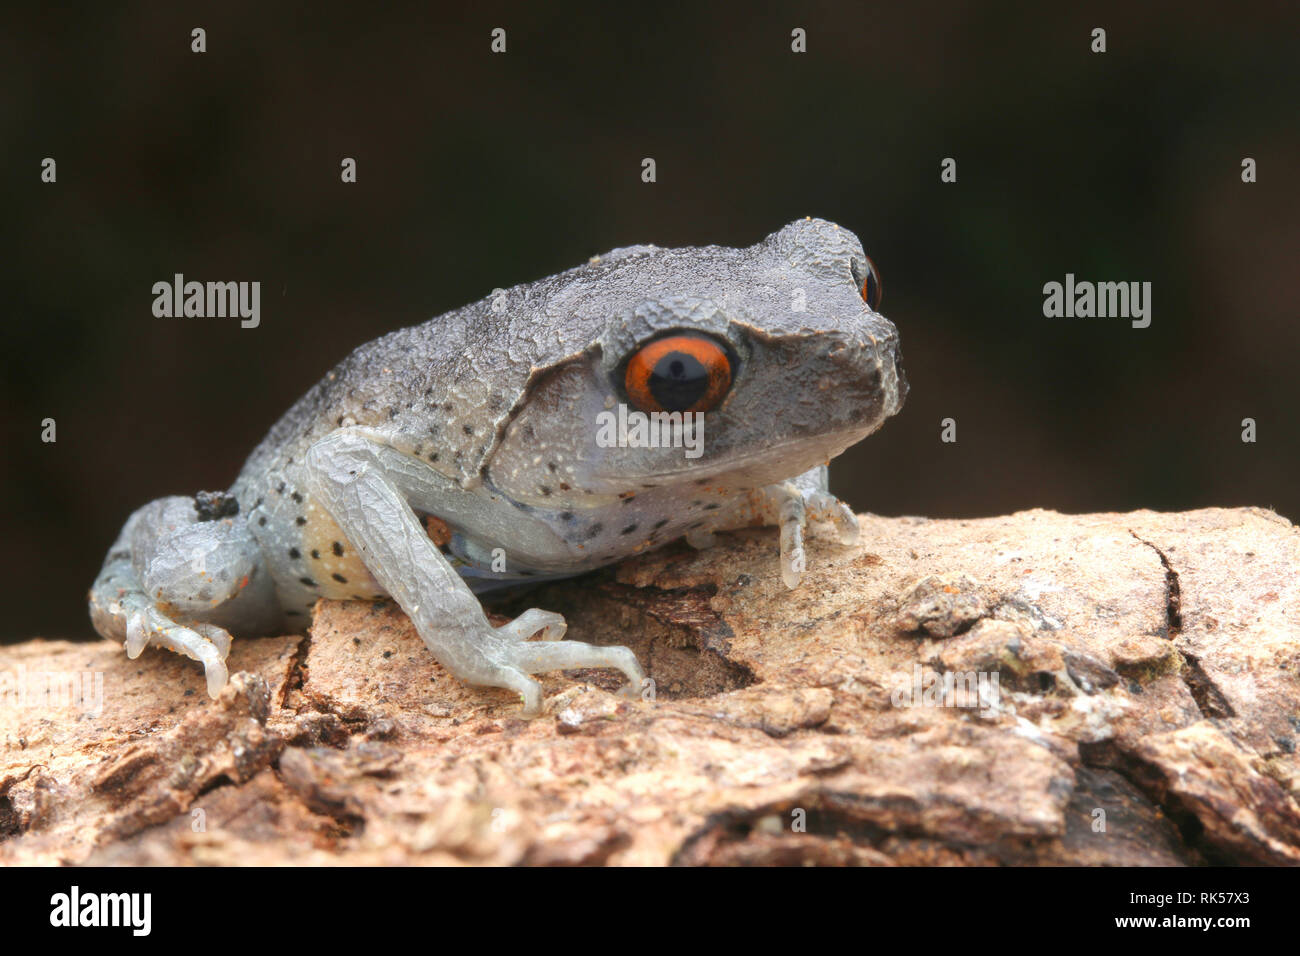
(856, 354)
(864, 364)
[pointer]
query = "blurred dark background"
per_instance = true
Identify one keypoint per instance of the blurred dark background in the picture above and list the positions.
(478, 170)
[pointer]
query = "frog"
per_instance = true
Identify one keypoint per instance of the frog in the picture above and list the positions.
(460, 456)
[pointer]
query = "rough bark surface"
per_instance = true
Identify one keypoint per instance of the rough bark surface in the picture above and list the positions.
(1145, 711)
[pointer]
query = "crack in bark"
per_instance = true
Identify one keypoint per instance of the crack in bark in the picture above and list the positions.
(293, 680)
(11, 820)
(1110, 755)
(1210, 701)
(1173, 592)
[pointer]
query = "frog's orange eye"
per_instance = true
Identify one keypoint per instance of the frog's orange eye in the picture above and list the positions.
(868, 279)
(680, 373)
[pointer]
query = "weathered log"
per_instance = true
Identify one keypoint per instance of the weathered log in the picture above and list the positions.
(1030, 689)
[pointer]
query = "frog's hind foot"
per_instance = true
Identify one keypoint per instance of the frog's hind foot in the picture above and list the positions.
(206, 643)
(178, 568)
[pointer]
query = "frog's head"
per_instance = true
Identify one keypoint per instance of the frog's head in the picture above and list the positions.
(777, 348)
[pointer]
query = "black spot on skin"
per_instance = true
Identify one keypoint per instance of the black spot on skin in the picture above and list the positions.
(296, 497)
(629, 529)
(552, 466)
(280, 490)
(339, 578)
(544, 490)
(496, 403)
(564, 486)
(119, 555)
(433, 457)
(338, 549)
(418, 450)
(712, 506)
(392, 412)
(315, 554)
(295, 553)
(566, 515)
(339, 421)
(529, 431)
(262, 521)
(696, 503)
(211, 505)
(447, 406)
(300, 520)
(595, 530)
(629, 499)
(660, 523)
(701, 481)
(387, 654)
(433, 430)
(308, 581)
(257, 504)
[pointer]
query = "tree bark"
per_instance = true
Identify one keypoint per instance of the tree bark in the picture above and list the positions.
(1030, 689)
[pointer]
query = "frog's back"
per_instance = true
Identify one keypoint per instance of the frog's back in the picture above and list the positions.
(444, 388)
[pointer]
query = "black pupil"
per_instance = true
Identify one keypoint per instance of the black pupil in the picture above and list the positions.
(678, 381)
(873, 290)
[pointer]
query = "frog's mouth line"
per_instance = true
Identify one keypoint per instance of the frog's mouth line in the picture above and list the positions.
(822, 448)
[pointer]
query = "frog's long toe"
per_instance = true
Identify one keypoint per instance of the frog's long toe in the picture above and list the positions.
(210, 647)
(550, 653)
(537, 657)
(551, 625)
(822, 507)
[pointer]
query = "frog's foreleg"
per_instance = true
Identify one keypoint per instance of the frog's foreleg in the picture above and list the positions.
(790, 505)
(169, 577)
(369, 488)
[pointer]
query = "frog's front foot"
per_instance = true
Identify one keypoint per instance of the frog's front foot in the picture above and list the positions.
(798, 503)
(511, 657)
(365, 486)
(505, 657)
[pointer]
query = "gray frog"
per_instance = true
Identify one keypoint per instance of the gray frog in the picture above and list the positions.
(443, 460)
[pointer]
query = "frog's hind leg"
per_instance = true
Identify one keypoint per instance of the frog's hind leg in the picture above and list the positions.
(180, 570)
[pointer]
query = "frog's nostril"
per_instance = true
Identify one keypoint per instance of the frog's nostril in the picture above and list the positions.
(846, 351)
